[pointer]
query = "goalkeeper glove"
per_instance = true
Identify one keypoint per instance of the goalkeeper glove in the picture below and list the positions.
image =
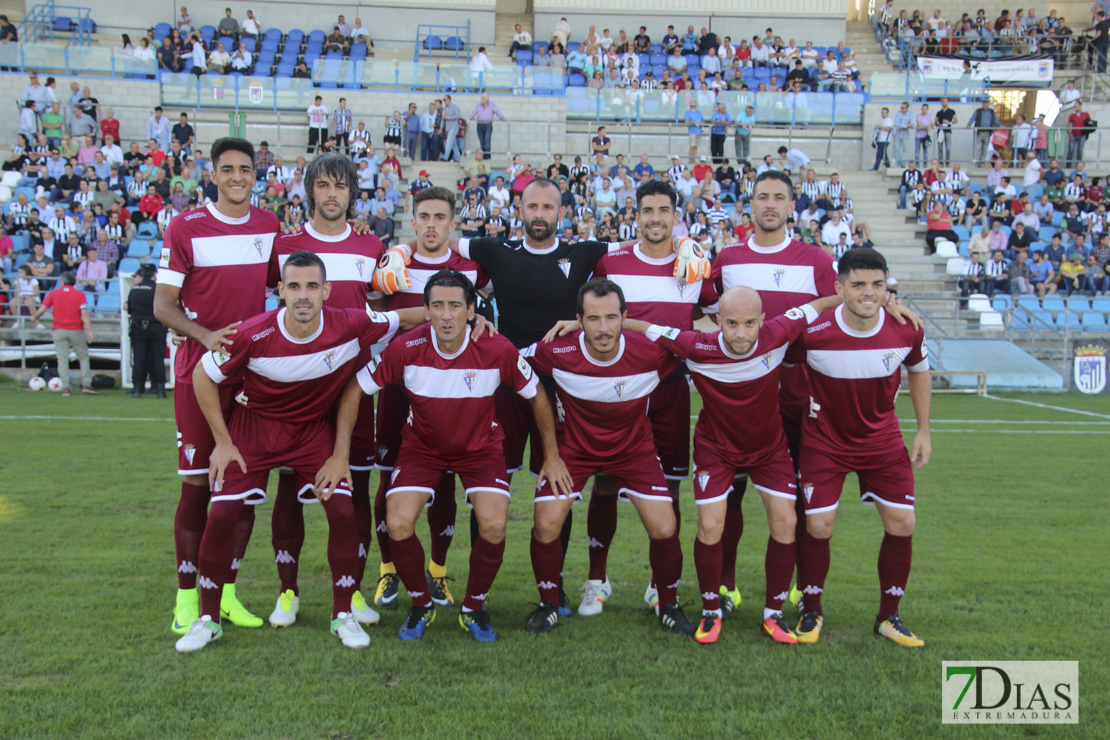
(691, 263)
(391, 274)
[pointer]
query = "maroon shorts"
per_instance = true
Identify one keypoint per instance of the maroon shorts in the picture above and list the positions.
(771, 471)
(363, 452)
(669, 413)
(885, 476)
(638, 475)
(514, 414)
(267, 444)
(194, 437)
(419, 469)
(393, 413)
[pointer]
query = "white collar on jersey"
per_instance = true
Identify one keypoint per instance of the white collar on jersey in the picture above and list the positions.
(285, 332)
(858, 334)
(433, 260)
(465, 344)
(325, 237)
(731, 356)
(227, 219)
(599, 363)
(533, 250)
(768, 250)
(651, 260)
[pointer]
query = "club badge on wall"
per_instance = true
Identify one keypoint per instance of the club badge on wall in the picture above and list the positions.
(1090, 368)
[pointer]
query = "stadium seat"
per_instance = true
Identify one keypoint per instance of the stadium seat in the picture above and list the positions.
(107, 302)
(991, 320)
(979, 302)
(454, 44)
(656, 49)
(87, 25)
(5, 194)
(572, 46)
(358, 51)
(946, 248)
(228, 42)
(272, 303)
(1101, 303)
(207, 33)
(1054, 303)
(161, 30)
(576, 80)
(272, 33)
(524, 57)
(657, 59)
(1046, 233)
(1001, 303)
(129, 264)
(1078, 304)
(139, 249)
(955, 265)
(251, 43)
(317, 35)
(1044, 319)
(1057, 218)
(11, 179)
(1092, 321)
(1029, 303)
(433, 42)
(1071, 321)
(63, 23)
(962, 232)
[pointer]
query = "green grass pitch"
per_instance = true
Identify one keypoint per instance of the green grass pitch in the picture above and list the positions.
(1010, 559)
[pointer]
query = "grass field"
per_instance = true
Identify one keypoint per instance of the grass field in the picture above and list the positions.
(1011, 554)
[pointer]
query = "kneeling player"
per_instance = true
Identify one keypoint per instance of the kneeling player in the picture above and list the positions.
(295, 362)
(855, 355)
(450, 381)
(604, 381)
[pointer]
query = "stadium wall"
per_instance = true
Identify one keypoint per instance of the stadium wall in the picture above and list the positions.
(390, 23)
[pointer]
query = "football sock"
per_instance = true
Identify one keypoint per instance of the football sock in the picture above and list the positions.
(216, 548)
(241, 536)
(707, 561)
(441, 519)
(547, 559)
(779, 568)
(485, 561)
(408, 558)
(730, 538)
(380, 530)
(364, 518)
(287, 532)
(894, 572)
(812, 570)
(665, 557)
(188, 528)
(601, 525)
(342, 551)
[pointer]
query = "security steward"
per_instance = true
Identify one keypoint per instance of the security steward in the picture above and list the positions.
(148, 336)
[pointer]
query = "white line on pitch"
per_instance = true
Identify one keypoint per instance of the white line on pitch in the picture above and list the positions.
(1017, 431)
(34, 417)
(1047, 406)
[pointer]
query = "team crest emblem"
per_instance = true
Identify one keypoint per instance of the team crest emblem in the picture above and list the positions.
(470, 377)
(766, 359)
(1090, 368)
(258, 245)
(619, 387)
(779, 274)
(681, 289)
(807, 490)
(564, 265)
(888, 360)
(703, 479)
(329, 358)
(360, 265)
(256, 92)
(190, 450)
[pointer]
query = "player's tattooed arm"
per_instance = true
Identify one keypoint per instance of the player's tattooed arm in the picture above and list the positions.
(167, 309)
(554, 469)
(921, 393)
(337, 467)
(225, 452)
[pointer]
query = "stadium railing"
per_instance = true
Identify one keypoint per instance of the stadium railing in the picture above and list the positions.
(442, 40)
(1052, 319)
(75, 60)
(44, 22)
(913, 87)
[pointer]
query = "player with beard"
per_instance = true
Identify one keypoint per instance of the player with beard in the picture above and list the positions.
(536, 281)
(213, 275)
(645, 274)
(433, 220)
(330, 179)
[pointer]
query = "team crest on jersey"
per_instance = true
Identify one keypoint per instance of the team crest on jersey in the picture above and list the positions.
(329, 358)
(258, 244)
(703, 479)
(779, 274)
(190, 450)
(360, 265)
(807, 490)
(619, 387)
(681, 288)
(888, 359)
(564, 265)
(766, 359)
(470, 377)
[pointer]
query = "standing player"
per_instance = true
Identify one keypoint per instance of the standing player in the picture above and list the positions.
(645, 274)
(433, 220)
(855, 358)
(605, 380)
(295, 362)
(786, 273)
(212, 275)
(450, 382)
(349, 258)
(537, 281)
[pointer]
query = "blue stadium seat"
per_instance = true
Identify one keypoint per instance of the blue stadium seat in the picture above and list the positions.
(208, 33)
(1035, 191)
(138, 248)
(1029, 303)
(108, 302)
(295, 37)
(654, 59)
(433, 42)
(454, 44)
(1057, 218)
(147, 229)
(1001, 303)
(1046, 233)
(317, 35)
(1044, 319)
(572, 46)
(272, 303)
(524, 57)
(1053, 303)
(656, 49)
(336, 55)
(162, 30)
(228, 42)
(129, 264)
(1101, 303)
(1073, 321)
(645, 59)
(251, 43)
(358, 51)
(576, 80)
(63, 23)
(1093, 321)
(962, 232)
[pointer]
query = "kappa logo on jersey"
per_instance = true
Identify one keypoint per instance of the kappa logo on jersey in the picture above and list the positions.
(708, 595)
(795, 314)
(258, 244)
(345, 582)
(524, 367)
(164, 260)
(703, 479)
(283, 556)
(480, 597)
(206, 582)
(564, 265)
(778, 275)
(807, 489)
(895, 591)
(190, 450)
(329, 358)
(186, 567)
(381, 527)
(888, 359)
(546, 584)
(469, 377)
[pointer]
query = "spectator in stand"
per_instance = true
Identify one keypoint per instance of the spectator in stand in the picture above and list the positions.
(904, 120)
(972, 279)
(939, 225)
(198, 60)
(228, 26)
(1078, 132)
(381, 226)
(983, 122)
(923, 124)
(1098, 282)
(220, 60)
(997, 276)
(242, 59)
(317, 115)
(1042, 277)
(251, 27)
(183, 133)
(521, 40)
(484, 113)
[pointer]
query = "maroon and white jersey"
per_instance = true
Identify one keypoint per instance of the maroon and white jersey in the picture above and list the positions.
(451, 406)
(349, 261)
(602, 406)
(422, 267)
(786, 276)
(291, 379)
(220, 264)
(854, 378)
(652, 292)
(735, 387)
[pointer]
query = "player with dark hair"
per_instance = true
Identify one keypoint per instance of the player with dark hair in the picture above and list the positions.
(536, 282)
(294, 362)
(855, 356)
(433, 220)
(212, 276)
(450, 382)
(330, 180)
(605, 379)
(644, 272)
